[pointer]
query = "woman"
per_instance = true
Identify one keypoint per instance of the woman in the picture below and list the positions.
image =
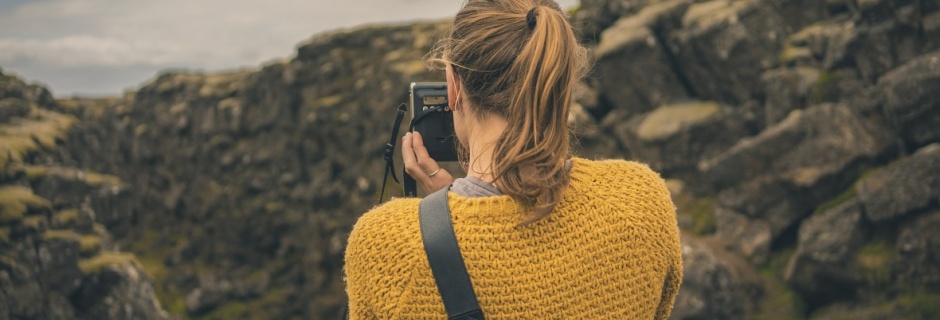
(543, 235)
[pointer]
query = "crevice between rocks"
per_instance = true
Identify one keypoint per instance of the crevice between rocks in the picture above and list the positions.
(674, 63)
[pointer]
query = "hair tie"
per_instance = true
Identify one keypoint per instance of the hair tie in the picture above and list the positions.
(530, 18)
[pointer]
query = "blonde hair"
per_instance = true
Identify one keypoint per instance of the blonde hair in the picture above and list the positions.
(519, 59)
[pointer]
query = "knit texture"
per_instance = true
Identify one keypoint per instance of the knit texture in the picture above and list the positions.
(609, 250)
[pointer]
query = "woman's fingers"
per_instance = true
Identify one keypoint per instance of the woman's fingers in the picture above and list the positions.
(408, 156)
(419, 164)
(421, 154)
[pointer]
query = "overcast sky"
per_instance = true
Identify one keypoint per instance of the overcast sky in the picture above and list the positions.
(102, 47)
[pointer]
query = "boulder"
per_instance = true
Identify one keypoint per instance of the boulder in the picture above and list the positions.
(673, 138)
(118, 290)
(715, 284)
(803, 150)
(749, 237)
(911, 98)
(918, 246)
(827, 245)
(905, 186)
(593, 16)
(725, 45)
(787, 89)
(636, 71)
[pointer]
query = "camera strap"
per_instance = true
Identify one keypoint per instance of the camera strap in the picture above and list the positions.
(390, 150)
(410, 186)
(447, 266)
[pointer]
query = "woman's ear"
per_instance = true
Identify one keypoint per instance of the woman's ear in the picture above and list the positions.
(453, 87)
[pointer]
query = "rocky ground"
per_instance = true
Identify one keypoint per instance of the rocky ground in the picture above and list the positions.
(800, 140)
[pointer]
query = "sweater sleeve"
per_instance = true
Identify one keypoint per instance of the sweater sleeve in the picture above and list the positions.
(671, 244)
(378, 261)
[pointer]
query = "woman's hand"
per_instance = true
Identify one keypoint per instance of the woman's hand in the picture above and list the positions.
(419, 165)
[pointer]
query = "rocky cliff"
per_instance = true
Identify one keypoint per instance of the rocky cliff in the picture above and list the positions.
(799, 139)
(57, 260)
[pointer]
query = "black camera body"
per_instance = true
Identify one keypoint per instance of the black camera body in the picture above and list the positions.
(432, 117)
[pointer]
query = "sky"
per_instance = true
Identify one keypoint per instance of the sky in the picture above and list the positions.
(104, 47)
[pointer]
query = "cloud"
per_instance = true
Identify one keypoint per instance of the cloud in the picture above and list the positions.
(43, 36)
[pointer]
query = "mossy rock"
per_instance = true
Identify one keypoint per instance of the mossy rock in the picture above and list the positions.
(17, 201)
(668, 120)
(36, 223)
(875, 260)
(7, 263)
(41, 129)
(52, 235)
(5, 235)
(91, 178)
(65, 218)
(107, 258)
(89, 244)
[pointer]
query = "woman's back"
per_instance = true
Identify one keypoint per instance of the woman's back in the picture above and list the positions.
(609, 250)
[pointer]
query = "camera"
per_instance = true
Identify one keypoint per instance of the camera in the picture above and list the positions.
(432, 117)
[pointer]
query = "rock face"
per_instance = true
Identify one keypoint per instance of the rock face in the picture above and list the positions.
(56, 259)
(800, 138)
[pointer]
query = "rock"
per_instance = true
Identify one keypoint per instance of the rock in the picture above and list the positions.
(635, 70)
(594, 16)
(12, 108)
(911, 98)
(673, 138)
(118, 291)
(918, 248)
(58, 259)
(725, 45)
(798, 13)
(750, 237)
(905, 186)
(827, 245)
(787, 90)
(803, 150)
(715, 285)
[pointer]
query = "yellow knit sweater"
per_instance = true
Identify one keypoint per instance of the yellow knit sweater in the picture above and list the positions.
(609, 250)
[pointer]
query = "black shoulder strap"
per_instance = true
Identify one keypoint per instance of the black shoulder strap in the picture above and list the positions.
(450, 273)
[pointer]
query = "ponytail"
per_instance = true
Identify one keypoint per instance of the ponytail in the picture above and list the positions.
(520, 59)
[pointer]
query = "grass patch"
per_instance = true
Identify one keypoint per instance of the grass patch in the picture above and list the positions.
(778, 301)
(16, 201)
(874, 261)
(65, 217)
(51, 235)
(4, 235)
(89, 244)
(700, 211)
(846, 195)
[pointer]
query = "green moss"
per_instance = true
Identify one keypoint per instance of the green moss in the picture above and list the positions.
(16, 201)
(89, 244)
(846, 195)
(874, 261)
(826, 88)
(259, 308)
(700, 211)
(778, 300)
(95, 264)
(920, 306)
